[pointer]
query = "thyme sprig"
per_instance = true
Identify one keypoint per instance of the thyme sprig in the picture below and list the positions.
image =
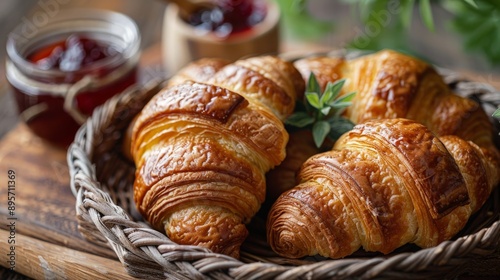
(322, 111)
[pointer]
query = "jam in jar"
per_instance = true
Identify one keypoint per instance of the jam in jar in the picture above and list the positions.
(229, 29)
(69, 67)
(229, 17)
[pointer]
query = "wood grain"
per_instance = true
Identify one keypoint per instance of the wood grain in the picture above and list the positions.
(44, 260)
(45, 206)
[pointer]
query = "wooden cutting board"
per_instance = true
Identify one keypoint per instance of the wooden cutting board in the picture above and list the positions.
(41, 225)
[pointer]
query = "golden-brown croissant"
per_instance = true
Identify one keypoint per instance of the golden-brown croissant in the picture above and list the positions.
(386, 183)
(389, 84)
(202, 150)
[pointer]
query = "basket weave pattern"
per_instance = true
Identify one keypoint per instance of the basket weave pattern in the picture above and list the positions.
(102, 178)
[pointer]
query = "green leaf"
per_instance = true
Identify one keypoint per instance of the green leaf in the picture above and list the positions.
(496, 114)
(406, 12)
(325, 110)
(343, 101)
(472, 3)
(329, 95)
(426, 14)
(299, 119)
(339, 126)
(320, 130)
(313, 99)
(312, 84)
(332, 91)
(339, 107)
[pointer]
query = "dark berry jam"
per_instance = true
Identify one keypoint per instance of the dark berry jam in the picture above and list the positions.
(229, 17)
(73, 58)
(71, 54)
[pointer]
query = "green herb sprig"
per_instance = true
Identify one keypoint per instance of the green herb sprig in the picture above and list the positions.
(321, 111)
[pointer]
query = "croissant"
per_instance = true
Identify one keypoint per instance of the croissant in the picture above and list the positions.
(202, 150)
(389, 84)
(386, 183)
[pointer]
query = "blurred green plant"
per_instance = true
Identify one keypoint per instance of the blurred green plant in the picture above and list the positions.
(386, 23)
(478, 22)
(299, 21)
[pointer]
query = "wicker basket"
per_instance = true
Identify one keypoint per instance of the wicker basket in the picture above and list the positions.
(101, 180)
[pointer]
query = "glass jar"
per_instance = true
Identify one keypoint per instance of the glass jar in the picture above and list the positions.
(55, 101)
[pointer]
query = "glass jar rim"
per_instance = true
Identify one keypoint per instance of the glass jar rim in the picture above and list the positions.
(80, 20)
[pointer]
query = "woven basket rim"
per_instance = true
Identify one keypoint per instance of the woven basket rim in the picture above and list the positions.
(147, 253)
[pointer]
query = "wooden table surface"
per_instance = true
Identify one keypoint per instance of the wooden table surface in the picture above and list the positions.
(49, 245)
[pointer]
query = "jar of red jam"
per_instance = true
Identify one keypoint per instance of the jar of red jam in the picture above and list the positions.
(62, 70)
(232, 29)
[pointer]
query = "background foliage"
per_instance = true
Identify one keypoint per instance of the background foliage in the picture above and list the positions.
(476, 22)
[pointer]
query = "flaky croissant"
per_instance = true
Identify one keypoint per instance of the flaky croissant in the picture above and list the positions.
(202, 150)
(389, 84)
(386, 183)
